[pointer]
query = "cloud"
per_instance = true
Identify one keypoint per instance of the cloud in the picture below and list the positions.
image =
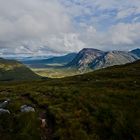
(121, 36)
(125, 34)
(31, 23)
(42, 27)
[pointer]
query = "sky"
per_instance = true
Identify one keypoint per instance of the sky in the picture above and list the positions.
(52, 27)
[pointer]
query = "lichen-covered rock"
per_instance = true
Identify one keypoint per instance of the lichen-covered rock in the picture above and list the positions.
(4, 111)
(25, 108)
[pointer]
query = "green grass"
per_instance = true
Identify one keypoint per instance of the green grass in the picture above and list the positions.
(101, 105)
(55, 72)
(13, 70)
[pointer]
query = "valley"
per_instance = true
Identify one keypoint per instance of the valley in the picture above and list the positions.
(94, 96)
(86, 60)
(53, 72)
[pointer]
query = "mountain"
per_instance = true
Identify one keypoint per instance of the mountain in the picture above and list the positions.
(97, 59)
(113, 58)
(61, 60)
(14, 70)
(85, 57)
(136, 52)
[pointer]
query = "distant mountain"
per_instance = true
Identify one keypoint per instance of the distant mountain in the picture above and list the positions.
(23, 57)
(14, 70)
(97, 59)
(136, 52)
(85, 57)
(54, 60)
(113, 58)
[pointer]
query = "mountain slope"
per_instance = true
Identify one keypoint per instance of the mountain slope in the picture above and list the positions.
(113, 58)
(96, 59)
(54, 60)
(84, 58)
(14, 70)
(136, 52)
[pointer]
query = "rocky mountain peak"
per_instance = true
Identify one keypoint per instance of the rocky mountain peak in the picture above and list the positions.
(89, 58)
(85, 57)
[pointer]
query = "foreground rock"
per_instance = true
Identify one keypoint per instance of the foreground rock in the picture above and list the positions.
(4, 111)
(4, 104)
(25, 108)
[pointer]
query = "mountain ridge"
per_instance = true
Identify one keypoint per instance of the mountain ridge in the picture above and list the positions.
(56, 59)
(85, 57)
(136, 52)
(89, 58)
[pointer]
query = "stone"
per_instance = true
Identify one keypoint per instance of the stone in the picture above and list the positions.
(26, 108)
(5, 103)
(4, 111)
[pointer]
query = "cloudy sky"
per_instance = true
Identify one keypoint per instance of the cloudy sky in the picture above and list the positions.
(44, 27)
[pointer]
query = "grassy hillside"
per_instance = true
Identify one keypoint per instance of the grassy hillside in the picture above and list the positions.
(101, 105)
(14, 70)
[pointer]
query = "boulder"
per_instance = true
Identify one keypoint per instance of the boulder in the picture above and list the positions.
(4, 111)
(26, 108)
(5, 103)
